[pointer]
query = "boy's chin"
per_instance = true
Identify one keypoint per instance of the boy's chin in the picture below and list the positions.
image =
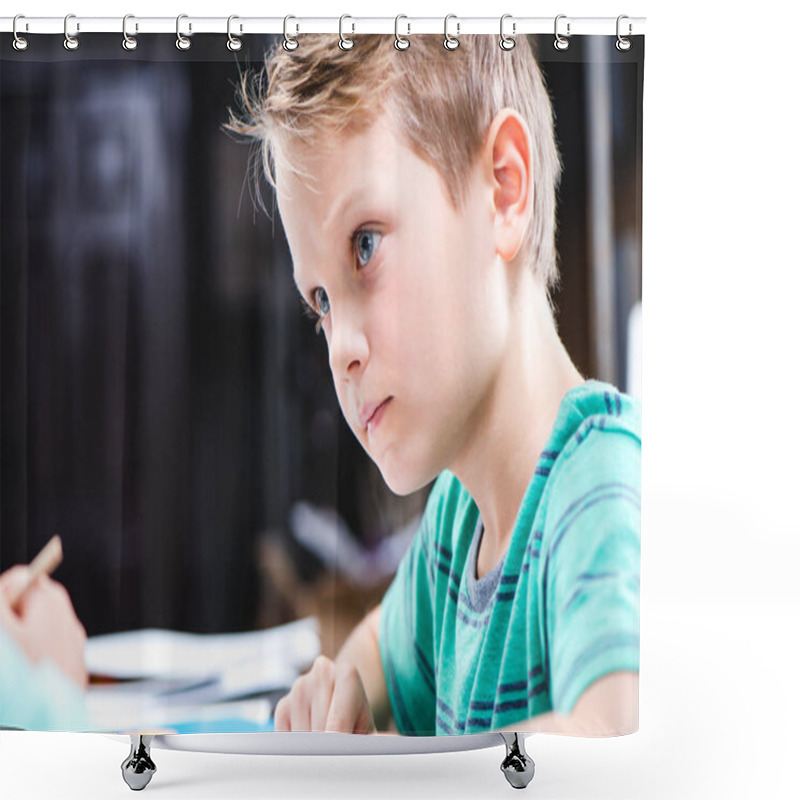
(404, 484)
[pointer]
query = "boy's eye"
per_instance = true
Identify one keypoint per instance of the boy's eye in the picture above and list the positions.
(365, 242)
(321, 299)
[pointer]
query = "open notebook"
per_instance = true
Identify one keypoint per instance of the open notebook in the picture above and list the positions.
(189, 683)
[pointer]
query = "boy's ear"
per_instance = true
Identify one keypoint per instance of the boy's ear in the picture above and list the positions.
(509, 146)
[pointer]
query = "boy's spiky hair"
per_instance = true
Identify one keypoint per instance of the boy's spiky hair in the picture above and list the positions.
(441, 103)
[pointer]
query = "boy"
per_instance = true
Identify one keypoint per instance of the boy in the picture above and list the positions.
(417, 192)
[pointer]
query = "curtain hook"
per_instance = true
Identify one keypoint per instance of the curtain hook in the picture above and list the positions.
(623, 44)
(289, 42)
(20, 43)
(128, 42)
(234, 44)
(70, 42)
(507, 42)
(561, 42)
(182, 43)
(400, 42)
(451, 42)
(344, 42)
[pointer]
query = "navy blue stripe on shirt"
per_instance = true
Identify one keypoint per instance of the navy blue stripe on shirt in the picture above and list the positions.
(516, 686)
(451, 574)
(615, 409)
(549, 455)
(474, 623)
(575, 503)
(628, 495)
(443, 725)
(498, 705)
(543, 471)
(444, 568)
(442, 706)
(448, 554)
(452, 721)
(508, 705)
(588, 577)
(476, 722)
(425, 667)
(530, 550)
(588, 425)
(575, 506)
(538, 689)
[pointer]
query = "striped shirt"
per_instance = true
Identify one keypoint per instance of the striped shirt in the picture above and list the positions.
(561, 610)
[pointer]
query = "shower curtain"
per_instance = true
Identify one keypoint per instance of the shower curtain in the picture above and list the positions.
(417, 512)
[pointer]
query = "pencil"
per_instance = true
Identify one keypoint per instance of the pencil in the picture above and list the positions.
(44, 564)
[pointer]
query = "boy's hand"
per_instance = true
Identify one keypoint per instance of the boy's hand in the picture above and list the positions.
(329, 697)
(45, 624)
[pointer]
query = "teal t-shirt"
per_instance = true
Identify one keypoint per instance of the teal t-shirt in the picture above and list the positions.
(561, 610)
(37, 697)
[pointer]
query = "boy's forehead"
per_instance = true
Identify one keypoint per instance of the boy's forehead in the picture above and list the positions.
(329, 165)
(319, 188)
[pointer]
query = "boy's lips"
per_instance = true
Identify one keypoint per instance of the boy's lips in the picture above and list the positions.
(367, 412)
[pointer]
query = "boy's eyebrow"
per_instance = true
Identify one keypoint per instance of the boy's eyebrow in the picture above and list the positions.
(340, 206)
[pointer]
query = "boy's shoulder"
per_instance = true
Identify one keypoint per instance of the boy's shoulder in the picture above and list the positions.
(600, 448)
(596, 405)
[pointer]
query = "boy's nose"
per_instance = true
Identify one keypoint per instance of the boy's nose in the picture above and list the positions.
(348, 348)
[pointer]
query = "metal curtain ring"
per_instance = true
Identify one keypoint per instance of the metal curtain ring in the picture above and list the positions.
(128, 42)
(20, 43)
(344, 42)
(400, 42)
(623, 44)
(182, 43)
(234, 44)
(70, 42)
(507, 42)
(451, 42)
(289, 42)
(561, 42)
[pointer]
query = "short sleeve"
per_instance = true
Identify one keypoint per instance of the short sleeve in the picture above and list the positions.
(37, 697)
(592, 548)
(406, 636)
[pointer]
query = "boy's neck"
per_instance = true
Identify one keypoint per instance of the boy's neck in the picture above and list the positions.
(500, 458)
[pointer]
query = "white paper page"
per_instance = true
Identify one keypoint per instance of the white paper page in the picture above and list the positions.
(159, 653)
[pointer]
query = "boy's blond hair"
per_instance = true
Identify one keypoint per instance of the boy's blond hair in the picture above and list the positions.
(441, 104)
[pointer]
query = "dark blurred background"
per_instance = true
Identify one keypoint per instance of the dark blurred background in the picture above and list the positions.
(166, 407)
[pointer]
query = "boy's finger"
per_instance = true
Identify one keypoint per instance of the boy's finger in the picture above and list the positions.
(283, 717)
(320, 703)
(346, 702)
(300, 713)
(365, 723)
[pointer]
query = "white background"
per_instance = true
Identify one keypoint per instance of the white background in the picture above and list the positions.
(720, 613)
